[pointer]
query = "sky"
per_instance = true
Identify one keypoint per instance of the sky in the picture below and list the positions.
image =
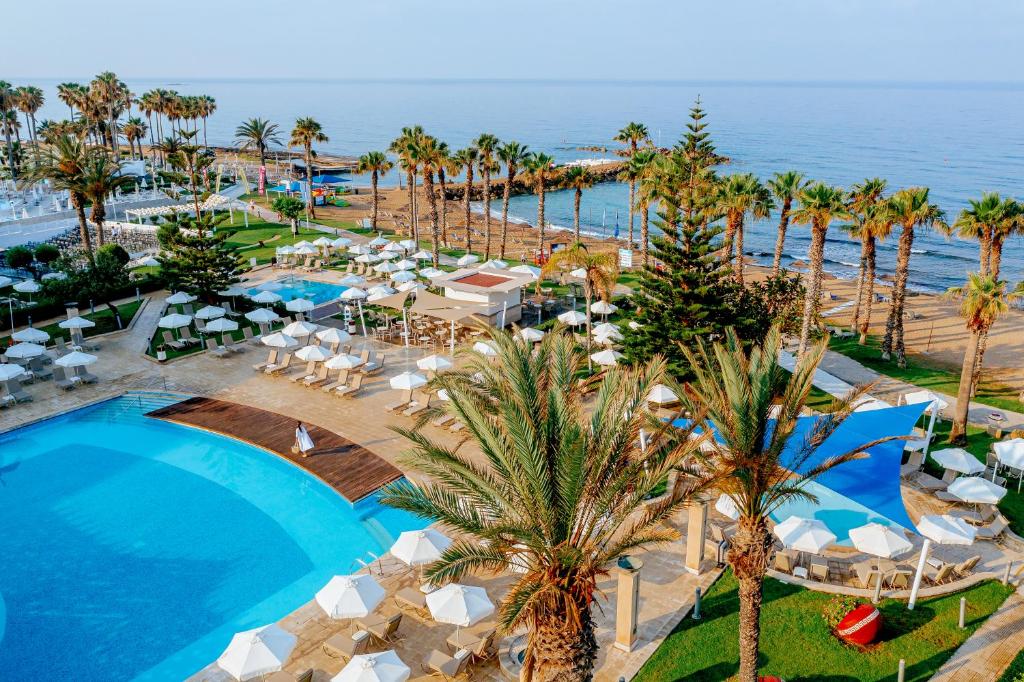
(736, 40)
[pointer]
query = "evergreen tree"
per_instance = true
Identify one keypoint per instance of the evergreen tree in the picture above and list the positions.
(197, 258)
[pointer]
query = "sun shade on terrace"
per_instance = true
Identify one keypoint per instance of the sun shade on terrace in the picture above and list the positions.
(873, 481)
(442, 307)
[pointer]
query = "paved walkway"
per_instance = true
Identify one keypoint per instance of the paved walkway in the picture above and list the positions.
(988, 652)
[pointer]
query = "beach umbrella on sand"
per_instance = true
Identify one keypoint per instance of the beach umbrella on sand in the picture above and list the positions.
(403, 276)
(76, 322)
(75, 359)
(725, 506)
(945, 530)
(804, 535)
(662, 395)
(959, 460)
(24, 351)
(573, 318)
(486, 349)
(262, 316)
(419, 547)
(422, 255)
(461, 605)
(607, 357)
(434, 363)
(350, 596)
(179, 298)
(468, 259)
(31, 335)
(352, 281)
(331, 335)
(210, 312)
(406, 381)
(279, 340)
(10, 371)
(174, 321)
(300, 328)
(976, 490)
(265, 297)
(344, 361)
(313, 354)
(256, 652)
(530, 334)
(299, 305)
(383, 667)
(881, 541)
(408, 244)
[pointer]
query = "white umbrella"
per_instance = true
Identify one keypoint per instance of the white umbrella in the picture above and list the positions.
(29, 286)
(31, 335)
(407, 381)
(313, 354)
(341, 242)
(468, 259)
(300, 328)
(279, 340)
(403, 276)
(408, 244)
(485, 348)
(378, 242)
(386, 267)
(256, 652)
(958, 459)
(411, 286)
(179, 298)
(603, 308)
(607, 357)
(945, 530)
(333, 335)
(380, 290)
(494, 264)
(301, 243)
(422, 255)
(976, 490)
(530, 334)
(1010, 452)
(572, 318)
(272, 285)
(359, 249)
(418, 547)
(804, 535)
(406, 264)
(383, 667)
(76, 322)
(610, 334)
(63, 275)
(265, 297)
(343, 362)
(725, 506)
(323, 241)
(222, 324)
(306, 250)
(525, 270)
(368, 258)
(174, 321)
(389, 255)
(431, 273)
(352, 294)
(633, 324)
(285, 250)
(662, 395)
(23, 351)
(352, 281)
(10, 371)
(394, 246)
(925, 396)
(578, 273)
(299, 305)
(434, 363)
(461, 605)
(607, 328)
(881, 541)
(350, 596)
(5, 282)
(75, 359)
(262, 316)
(210, 312)
(232, 291)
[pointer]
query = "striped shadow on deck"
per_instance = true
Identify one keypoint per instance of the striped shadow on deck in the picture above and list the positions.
(352, 470)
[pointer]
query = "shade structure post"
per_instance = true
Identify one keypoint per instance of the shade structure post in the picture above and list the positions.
(362, 320)
(504, 307)
(920, 574)
(932, 410)
(405, 326)
(451, 343)
(696, 529)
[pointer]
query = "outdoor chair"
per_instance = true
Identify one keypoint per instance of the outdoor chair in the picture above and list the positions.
(271, 360)
(340, 380)
(381, 628)
(248, 335)
(229, 311)
(13, 389)
(411, 598)
(346, 646)
(373, 366)
(170, 341)
(186, 336)
(784, 562)
(937, 576)
(402, 402)
(947, 497)
(866, 577)
(819, 572)
(965, 568)
(448, 667)
(927, 482)
(60, 379)
(302, 374)
(232, 345)
(187, 309)
(84, 376)
(275, 369)
(284, 676)
(39, 371)
(420, 402)
(993, 530)
(219, 351)
(900, 579)
(59, 346)
(351, 389)
(442, 420)
(913, 465)
(320, 377)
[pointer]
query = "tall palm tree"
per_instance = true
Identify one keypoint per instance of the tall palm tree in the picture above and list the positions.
(6, 107)
(148, 104)
(577, 178)
(258, 134)
(820, 204)
(539, 172)
(753, 405)
(68, 94)
(983, 300)
(404, 147)
(786, 187)
(1011, 223)
(863, 198)
(305, 134)
(376, 164)
(741, 195)
(63, 164)
(134, 130)
(108, 90)
(512, 154)
(445, 164)
(644, 166)
(465, 161)
(911, 209)
(101, 178)
(428, 154)
(558, 497)
(29, 100)
(602, 272)
(633, 134)
(487, 145)
(877, 226)
(207, 107)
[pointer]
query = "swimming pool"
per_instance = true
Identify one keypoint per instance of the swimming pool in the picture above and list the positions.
(134, 548)
(317, 292)
(836, 511)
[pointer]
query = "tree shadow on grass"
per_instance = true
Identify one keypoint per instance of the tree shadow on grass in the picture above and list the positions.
(898, 621)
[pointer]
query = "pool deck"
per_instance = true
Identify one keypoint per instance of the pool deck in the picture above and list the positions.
(351, 469)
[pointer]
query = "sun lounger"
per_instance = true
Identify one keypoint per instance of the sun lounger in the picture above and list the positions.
(271, 360)
(373, 366)
(284, 364)
(351, 389)
(219, 351)
(59, 346)
(448, 667)
(309, 371)
(383, 629)
(60, 379)
(993, 530)
(420, 402)
(819, 571)
(412, 598)
(229, 311)
(248, 335)
(187, 309)
(402, 402)
(443, 420)
(320, 377)
(784, 562)
(170, 341)
(232, 345)
(186, 336)
(927, 482)
(341, 380)
(947, 497)
(913, 465)
(285, 676)
(937, 576)
(900, 580)
(84, 376)
(965, 568)
(13, 389)
(346, 646)
(866, 575)
(39, 371)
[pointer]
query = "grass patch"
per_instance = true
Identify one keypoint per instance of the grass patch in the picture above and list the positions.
(796, 643)
(1015, 672)
(103, 317)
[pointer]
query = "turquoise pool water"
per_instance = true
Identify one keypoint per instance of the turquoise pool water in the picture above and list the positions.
(317, 292)
(836, 511)
(134, 549)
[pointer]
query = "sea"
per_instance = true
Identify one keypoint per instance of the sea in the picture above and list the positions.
(957, 139)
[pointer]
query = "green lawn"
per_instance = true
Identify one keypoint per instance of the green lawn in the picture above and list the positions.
(924, 374)
(273, 235)
(103, 318)
(1015, 673)
(796, 643)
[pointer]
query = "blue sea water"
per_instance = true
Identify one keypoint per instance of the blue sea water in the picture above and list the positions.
(133, 548)
(958, 139)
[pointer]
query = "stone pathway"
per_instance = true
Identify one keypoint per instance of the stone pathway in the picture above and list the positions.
(988, 652)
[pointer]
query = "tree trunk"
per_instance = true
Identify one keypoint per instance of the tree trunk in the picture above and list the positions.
(83, 227)
(739, 251)
(309, 181)
(893, 342)
(780, 239)
(435, 229)
(373, 214)
(588, 295)
(979, 360)
(558, 654)
(817, 254)
(632, 198)
(113, 133)
(487, 212)
(958, 431)
(861, 276)
(10, 153)
(869, 293)
(996, 257)
(644, 233)
(504, 207)
(727, 239)
(540, 218)
(466, 198)
(444, 206)
(412, 200)
(576, 213)
(99, 213)
(750, 594)
(984, 251)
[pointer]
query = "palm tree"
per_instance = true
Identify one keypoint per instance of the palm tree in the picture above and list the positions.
(306, 132)
(487, 145)
(983, 300)
(512, 154)
(445, 163)
(560, 490)
(148, 104)
(429, 156)
(741, 195)
(404, 147)
(877, 226)
(376, 164)
(258, 134)
(539, 171)
(207, 107)
(7, 106)
(465, 160)
(107, 90)
(577, 178)
(911, 209)
(602, 272)
(101, 178)
(632, 134)
(134, 130)
(644, 166)
(863, 197)
(29, 100)
(1011, 224)
(68, 94)
(819, 205)
(63, 164)
(786, 187)
(754, 405)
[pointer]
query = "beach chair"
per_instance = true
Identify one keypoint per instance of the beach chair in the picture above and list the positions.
(229, 311)
(200, 326)
(784, 562)
(60, 379)
(443, 420)
(346, 646)
(374, 366)
(420, 402)
(913, 465)
(322, 373)
(186, 336)
(900, 579)
(405, 397)
(966, 567)
(865, 575)
(59, 347)
(187, 309)
(994, 530)
(219, 351)
(927, 482)
(411, 598)
(271, 361)
(232, 345)
(285, 676)
(39, 370)
(383, 629)
(819, 571)
(448, 667)
(937, 576)
(947, 497)
(247, 335)
(284, 364)
(351, 389)
(13, 389)
(309, 371)
(170, 341)
(84, 376)
(339, 381)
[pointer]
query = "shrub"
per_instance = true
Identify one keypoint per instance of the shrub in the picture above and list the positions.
(47, 253)
(837, 607)
(18, 257)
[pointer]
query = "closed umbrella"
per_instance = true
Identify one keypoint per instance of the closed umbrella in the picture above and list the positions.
(210, 312)
(385, 666)
(573, 318)
(804, 535)
(300, 328)
(279, 340)
(332, 335)
(530, 334)
(350, 596)
(976, 490)
(31, 335)
(407, 381)
(262, 316)
(10, 371)
(76, 322)
(23, 351)
(434, 363)
(313, 354)
(461, 605)
(958, 459)
(179, 298)
(75, 359)
(945, 530)
(607, 357)
(256, 652)
(265, 297)
(299, 305)
(881, 541)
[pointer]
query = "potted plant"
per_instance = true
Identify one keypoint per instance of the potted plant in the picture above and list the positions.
(161, 352)
(852, 620)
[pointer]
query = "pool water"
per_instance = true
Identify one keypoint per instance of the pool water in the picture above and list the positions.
(836, 511)
(317, 292)
(133, 548)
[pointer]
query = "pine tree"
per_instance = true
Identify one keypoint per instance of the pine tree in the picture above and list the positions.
(197, 258)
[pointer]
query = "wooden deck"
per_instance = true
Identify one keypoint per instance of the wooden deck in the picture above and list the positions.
(352, 470)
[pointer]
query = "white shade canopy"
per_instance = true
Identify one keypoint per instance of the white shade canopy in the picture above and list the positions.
(383, 667)
(485, 348)
(221, 324)
(262, 316)
(422, 255)
(10, 371)
(352, 280)
(279, 340)
(313, 354)
(307, 250)
(368, 258)
(431, 273)
(256, 652)
(403, 276)
(461, 605)
(603, 308)
(408, 244)
(662, 395)
(386, 267)
(333, 335)
(29, 286)
(301, 243)
(174, 321)
(607, 357)
(406, 264)
(31, 335)
(350, 596)
(299, 305)
(494, 264)
(271, 285)
(344, 361)
(525, 270)
(75, 359)
(379, 291)
(407, 380)
(881, 541)
(608, 337)
(976, 490)
(434, 363)
(76, 322)
(416, 547)
(300, 328)
(1010, 452)
(468, 259)
(530, 334)
(265, 297)
(378, 241)
(341, 242)
(210, 312)
(804, 535)
(725, 506)
(179, 298)
(63, 275)
(359, 249)
(607, 328)
(958, 459)
(25, 350)
(285, 250)
(232, 290)
(393, 247)
(572, 318)
(389, 255)
(353, 294)
(5, 281)
(945, 529)
(323, 241)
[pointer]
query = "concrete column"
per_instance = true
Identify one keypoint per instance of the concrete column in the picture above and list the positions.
(696, 530)
(627, 602)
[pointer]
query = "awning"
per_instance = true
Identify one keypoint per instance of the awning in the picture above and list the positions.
(445, 308)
